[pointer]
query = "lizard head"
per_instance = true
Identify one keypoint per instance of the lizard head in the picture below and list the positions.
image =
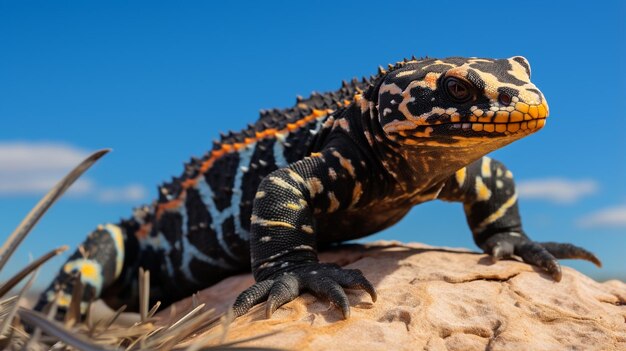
(460, 102)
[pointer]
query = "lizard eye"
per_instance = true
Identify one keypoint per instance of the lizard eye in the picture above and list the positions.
(457, 89)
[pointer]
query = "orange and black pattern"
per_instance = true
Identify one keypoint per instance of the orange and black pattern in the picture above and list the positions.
(337, 166)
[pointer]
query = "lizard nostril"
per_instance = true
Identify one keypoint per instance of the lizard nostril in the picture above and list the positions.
(504, 99)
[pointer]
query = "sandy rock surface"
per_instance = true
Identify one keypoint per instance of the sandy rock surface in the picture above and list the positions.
(438, 299)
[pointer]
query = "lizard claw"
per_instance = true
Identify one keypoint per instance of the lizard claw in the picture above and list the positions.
(323, 280)
(565, 250)
(535, 254)
(285, 289)
(544, 255)
(251, 296)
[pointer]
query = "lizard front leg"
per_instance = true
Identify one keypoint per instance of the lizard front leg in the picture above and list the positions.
(283, 234)
(488, 193)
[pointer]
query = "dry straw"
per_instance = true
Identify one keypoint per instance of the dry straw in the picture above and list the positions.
(25, 329)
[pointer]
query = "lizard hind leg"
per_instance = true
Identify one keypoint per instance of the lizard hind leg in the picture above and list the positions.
(98, 261)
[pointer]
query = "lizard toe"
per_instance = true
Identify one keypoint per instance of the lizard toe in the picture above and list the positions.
(533, 253)
(328, 288)
(566, 250)
(502, 250)
(252, 296)
(354, 279)
(285, 289)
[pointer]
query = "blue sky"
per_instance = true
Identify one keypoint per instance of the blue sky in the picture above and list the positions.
(156, 81)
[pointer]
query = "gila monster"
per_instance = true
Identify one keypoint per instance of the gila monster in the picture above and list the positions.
(337, 166)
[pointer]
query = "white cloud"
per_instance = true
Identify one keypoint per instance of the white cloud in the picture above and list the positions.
(614, 217)
(130, 193)
(34, 168)
(557, 190)
(28, 168)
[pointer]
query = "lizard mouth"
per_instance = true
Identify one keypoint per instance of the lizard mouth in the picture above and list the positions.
(520, 119)
(505, 128)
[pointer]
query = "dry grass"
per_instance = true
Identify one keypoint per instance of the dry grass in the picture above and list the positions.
(25, 329)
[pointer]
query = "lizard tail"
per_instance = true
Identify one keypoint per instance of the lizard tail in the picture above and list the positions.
(104, 265)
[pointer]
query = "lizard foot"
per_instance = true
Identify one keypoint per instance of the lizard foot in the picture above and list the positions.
(322, 279)
(544, 255)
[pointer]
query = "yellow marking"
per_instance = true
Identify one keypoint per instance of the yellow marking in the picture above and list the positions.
(497, 214)
(485, 119)
(392, 89)
(292, 206)
(524, 125)
(541, 123)
(460, 176)
(345, 163)
(283, 184)
(542, 110)
(499, 172)
(307, 229)
(356, 193)
(513, 127)
(259, 195)
(405, 73)
(508, 174)
(90, 272)
(316, 154)
(532, 124)
(482, 192)
(533, 112)
(500, 128)
(518, 70)
(269, 223)
(501, 117)
(333, 204)
(397, 126)
(522, 107)
(489, 128)
(478, 113)
(485, 167)
(314, 185)
(477, 127)
(527, 117)
(499, 184)
(64, 300)
(295, 176)
(118, 239)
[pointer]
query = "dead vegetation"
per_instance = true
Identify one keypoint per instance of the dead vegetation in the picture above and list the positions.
(25, 329)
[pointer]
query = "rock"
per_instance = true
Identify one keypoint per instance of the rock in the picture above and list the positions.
(437, 299)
